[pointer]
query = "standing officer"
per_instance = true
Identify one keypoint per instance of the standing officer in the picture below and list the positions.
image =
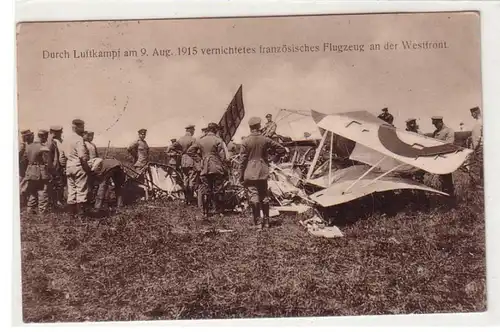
(188, 166)
(139, 150)
(88, 137)
(58, 174)
(477, 142)
(212, 173)
(445, 134)
(270, 127)
(38, 174)
(77, 168)
(254, 169)
(386, 116)
(27, 137)
(411, 125)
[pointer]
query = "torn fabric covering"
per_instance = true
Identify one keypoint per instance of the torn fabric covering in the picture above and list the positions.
(335, 194)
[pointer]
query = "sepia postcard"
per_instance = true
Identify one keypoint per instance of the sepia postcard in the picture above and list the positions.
(251, 167)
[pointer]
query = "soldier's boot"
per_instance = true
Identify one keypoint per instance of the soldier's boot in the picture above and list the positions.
(206, 206)
(71, 209)
(265, 212)
(119, 201)
(81, 209)
(256, 215)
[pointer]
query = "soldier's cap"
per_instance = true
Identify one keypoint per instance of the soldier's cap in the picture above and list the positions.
(437, 118)
(142, 131)
(173, 140)
(26, 132)
(268, 116)
(78, 122)
(254, 121)
(42, 132)
(475, 109)
(213, 126)
(56, 128)
(189, 127)
(89, 132)
(411, 120)
(385, 109)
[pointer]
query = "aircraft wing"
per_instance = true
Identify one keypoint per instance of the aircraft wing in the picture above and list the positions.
(420, 151)
(338, 192)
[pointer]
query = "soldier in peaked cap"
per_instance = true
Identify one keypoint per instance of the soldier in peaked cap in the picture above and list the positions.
(270, 127)
(386, 116)
(37, 174)
(139, 150)
(27, 138)
(445, 134)
(58, 162)
(477, 144)
(88, 138)
(254, 169)
(411, 125)
(210, 149)
(77, 168)
(188, 165)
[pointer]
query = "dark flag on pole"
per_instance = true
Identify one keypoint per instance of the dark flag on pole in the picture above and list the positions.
(233, 116)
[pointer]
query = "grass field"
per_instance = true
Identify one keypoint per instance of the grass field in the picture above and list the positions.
(157, 260)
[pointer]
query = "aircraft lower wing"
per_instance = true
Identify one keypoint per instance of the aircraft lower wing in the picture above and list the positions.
(348, 186)
(419, 151)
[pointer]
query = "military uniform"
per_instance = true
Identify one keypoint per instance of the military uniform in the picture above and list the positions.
(109, 169)
(254, 169)
(77, 157)
(447, 135)
(38, 176)
(189, 167)
(270, 127)
(212, 170)
(139, 150)
(58, 160)
(477, 146)
(92, 150)
(386, 116)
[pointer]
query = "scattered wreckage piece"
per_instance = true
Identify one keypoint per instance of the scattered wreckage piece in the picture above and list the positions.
(317, 227)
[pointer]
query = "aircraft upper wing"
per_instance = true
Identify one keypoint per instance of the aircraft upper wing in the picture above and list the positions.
(420, 151)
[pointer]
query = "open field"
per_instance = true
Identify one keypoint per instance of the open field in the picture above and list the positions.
(157, 260)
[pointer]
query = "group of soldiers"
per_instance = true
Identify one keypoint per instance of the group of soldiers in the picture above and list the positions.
(204, 164)
(56, 174)
(446, 134)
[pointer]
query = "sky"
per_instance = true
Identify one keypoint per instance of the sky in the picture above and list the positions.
(116, 97)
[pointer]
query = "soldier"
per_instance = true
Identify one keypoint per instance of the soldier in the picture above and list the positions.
(270, 127)
(231, 148)
(173, 153)
(27, 137)
(386, 116)
(88, 137)
(77, 169)
(106, 170)
(477, 142)
(139, 150)
(188, 165)
(212, 154)
(38, 174)
(411, 125)
(58, 173)
(203, 132)
(447, 135)
(254, 169)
